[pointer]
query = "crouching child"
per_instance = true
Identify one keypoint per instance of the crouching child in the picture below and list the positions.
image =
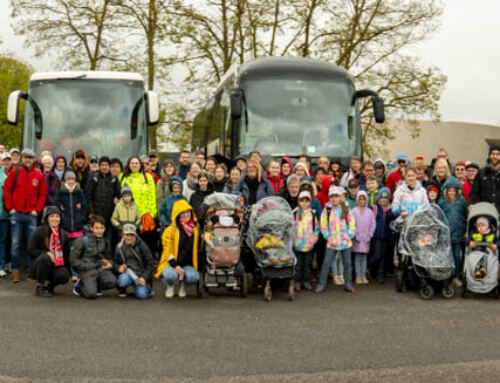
(134, 263)
(92, 259)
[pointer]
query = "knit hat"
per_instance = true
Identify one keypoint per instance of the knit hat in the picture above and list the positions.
(49, 210)
(472, 165)
(483, 220)
(128, 228)
(69, 174)
(304, 194)
(126, 190)
(494, 147)
(335, 190)
(384, 193)
(80, 154)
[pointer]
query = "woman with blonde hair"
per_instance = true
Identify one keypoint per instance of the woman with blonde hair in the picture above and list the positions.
(441, 173)
(252, 186)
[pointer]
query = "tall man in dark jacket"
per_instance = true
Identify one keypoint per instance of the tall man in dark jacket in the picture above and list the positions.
(486, 185)
(103, 193)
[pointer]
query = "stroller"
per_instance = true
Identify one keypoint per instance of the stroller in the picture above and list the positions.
(222, 240)
(270, 237)
(488, 283)
(424, 249)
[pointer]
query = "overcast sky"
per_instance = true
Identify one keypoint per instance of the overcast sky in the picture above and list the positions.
(467, 49)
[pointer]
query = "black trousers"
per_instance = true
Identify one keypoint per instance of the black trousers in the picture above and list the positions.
(96, 280)
(320, 249)
(377, 261)
(43, 270)
(304, 267)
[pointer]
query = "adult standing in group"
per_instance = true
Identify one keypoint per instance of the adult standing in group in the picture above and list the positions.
(80, 165)
(103, 193)
(471, 170)
(441, 173)
(461, 176)
(162, 187)
(199, 158)
(143, 189)
(154, 163)
(353, 172)
(486, 185)
(291, 192)
(49, 248)
(253, 186)
(442, 154)
(397, 176)
(15, 155)
(190, 183)
(204, 189)
(53, 182)
(234, 178)
(379, 166)
(25, 193)
(60, 166)
(184, 164)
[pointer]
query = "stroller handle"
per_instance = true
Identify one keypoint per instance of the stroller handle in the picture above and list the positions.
(483, 244)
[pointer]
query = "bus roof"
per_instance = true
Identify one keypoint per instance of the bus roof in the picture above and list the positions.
(91, 75)
(269, 66)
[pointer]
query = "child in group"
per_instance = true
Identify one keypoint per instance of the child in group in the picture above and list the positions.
(274, 177)
(73, 205)
(454, 207)
(483, 233)
(165, 212)
(306, 236)
(433, 193)
(365, 228)
(383, 235)
(352, 191)
(372, 190)
(92, 258)
(338, 228)
(126, 211)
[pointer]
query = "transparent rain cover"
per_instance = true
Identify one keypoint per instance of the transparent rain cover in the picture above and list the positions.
(222, 201)
(271, 232)
(426, 238)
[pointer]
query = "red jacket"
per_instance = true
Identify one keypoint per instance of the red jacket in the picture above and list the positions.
(466, 185)
(393, 180)
(30, 192)
(276, 183)
(322, 196)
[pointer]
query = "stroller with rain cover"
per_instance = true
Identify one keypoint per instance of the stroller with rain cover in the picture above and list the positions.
(482, 252)
(270, 237)
(424, 252)
(222, 240)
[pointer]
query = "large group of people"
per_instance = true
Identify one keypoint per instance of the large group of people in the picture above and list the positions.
(102, 224)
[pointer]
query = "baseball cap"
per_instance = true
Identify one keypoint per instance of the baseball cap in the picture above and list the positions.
(353, 183)
(128, 228)
(335, 190)
(304, 194)
(402, 157)
(28, 153)
(15, 150)
(5, 155)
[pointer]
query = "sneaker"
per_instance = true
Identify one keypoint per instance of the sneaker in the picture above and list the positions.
(456, 282)
(99, 293)
(297, 286)
(42, 291)
(349, 289)
(182, 290)
(358, 280)
(308, 286)
(3, 274)
(319, 288)
(15, 276)
(122, 293)
(77, 288)
(169, 292)
(341, 280)
(74, 279)
(365, 280)
(335, 280)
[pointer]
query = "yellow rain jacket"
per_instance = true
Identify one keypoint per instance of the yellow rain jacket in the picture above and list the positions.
(170, 238)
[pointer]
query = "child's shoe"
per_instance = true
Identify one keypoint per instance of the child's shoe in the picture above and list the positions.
(358, 280)
(483, 272)
(319, 288)
(365, 280)
(182, 290)
(349, 289)
(169, 292)
(456, 282)
(308, 286)
(341, 280)
(297, 286)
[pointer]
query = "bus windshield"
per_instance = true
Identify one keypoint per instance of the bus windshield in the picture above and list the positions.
(290, 116)
(98, 115)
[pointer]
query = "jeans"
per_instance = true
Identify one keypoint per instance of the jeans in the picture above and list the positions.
(23, 225)
(170, 276)
(330, 254)
(360, 264)
(124, 281)
(4, 229)
(337, 267)
(455, 251)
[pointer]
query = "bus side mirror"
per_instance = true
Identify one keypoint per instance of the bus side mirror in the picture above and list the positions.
(377, 102)
(153, 108)
(13, 107)
(236, 104)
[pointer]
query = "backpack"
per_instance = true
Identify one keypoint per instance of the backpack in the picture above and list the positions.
(296, 212)
(18, 170)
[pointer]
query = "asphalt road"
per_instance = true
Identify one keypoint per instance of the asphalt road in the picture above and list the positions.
(374, 335)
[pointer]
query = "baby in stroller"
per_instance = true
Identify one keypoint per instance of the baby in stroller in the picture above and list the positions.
(483, 233)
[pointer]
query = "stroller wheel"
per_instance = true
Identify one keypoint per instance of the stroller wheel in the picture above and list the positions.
(399, 282)
(268, 294)
(426, 292)
(448, 291)
(291, 291)
(200, 288)
(244, 285)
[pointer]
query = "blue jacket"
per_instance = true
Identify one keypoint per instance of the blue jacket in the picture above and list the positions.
(72, 219)
(384, 219)
(264, 189)
(165, 213)
(455, 212)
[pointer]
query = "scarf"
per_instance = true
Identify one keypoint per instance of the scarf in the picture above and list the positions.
(70, 189)
(59, 173)
(55, 247)
(188, 227)
(191, 181)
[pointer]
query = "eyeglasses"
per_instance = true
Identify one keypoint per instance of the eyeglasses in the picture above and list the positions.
(401, 161)
(460, 169)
